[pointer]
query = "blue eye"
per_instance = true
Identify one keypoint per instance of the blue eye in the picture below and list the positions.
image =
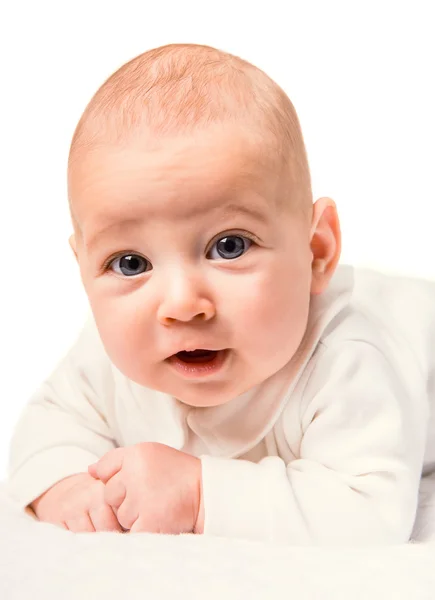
(130, 265)
(229, 247)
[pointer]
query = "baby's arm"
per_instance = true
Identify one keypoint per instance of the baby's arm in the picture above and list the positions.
(357, 475)
(63, 428)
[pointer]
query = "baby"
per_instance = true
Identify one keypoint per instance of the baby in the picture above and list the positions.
(233, 379)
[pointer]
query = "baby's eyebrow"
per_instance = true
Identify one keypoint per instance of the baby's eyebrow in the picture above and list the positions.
(249, 210)
(119, 224)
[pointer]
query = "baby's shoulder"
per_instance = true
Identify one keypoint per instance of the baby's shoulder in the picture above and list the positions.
(392, 312)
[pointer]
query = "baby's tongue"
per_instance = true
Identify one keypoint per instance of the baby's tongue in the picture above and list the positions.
(197, 356)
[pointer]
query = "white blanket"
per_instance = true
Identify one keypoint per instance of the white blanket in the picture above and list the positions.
(40, 561)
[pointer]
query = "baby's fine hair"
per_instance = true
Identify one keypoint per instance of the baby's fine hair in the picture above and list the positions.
(181, 88)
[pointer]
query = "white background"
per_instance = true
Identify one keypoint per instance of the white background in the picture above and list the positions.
(359, 73)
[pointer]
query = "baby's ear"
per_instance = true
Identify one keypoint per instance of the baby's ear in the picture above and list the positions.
(72, 243)
(325, 243)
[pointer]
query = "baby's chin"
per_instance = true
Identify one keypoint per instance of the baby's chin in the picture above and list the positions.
(204, 395)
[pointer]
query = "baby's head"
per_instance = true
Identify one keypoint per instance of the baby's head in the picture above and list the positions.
(194, 226)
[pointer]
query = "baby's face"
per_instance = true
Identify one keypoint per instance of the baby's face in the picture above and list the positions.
(184, 247)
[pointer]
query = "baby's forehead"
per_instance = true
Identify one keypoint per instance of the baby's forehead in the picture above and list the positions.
(212, 156)
(182, 176)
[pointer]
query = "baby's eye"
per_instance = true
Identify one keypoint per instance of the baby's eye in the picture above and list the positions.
(229, 247)
(130, 264)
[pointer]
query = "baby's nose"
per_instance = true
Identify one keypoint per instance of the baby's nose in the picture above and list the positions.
(185, 299)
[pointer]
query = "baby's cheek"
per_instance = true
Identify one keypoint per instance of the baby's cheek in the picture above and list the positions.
(127, 341)
(274, 314)
(252, 308)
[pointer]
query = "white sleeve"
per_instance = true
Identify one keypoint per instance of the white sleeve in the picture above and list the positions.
(63, 428)
(356, 478)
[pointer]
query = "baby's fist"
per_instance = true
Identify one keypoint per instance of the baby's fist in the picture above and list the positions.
(152, 487)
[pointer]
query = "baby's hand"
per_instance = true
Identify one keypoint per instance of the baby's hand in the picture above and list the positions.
(77, 503)
(152, 487)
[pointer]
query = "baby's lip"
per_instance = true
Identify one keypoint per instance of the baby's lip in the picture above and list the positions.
(191, 348)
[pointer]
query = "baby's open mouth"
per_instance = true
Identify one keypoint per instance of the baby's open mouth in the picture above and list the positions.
(199, 363)
(197, 356)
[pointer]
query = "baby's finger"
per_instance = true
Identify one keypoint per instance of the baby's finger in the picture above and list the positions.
(127, 514)
(139, 527)
(92, 470)
(81, 524)
(115, 491)
(104, 519)
(108, 465)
